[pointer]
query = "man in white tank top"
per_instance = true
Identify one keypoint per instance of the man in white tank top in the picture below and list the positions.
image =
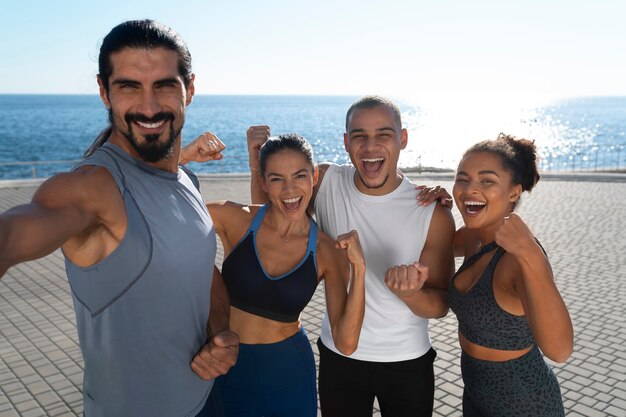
(408, 252)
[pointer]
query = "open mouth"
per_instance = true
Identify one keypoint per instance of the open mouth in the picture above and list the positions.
(474, 207)
(372, 166)
(292, 203)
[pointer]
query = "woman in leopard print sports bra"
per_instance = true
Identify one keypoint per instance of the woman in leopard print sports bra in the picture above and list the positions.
(507, 304)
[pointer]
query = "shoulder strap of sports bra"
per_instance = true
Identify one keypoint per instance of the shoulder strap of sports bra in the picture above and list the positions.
(258, 218)
(485, 249)
(312, 236)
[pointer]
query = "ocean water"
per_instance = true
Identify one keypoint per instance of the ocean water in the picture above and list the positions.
(38, 131)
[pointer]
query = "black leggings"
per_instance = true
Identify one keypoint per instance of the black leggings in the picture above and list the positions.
(347, 387)
(525, 386)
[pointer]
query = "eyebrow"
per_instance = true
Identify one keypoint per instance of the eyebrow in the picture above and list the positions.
(488, 171)
(382, 129)
(280, 175)
(483, 172)
(163, 81)
(125, 81)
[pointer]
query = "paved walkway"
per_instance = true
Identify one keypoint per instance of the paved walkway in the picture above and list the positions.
(580, 219)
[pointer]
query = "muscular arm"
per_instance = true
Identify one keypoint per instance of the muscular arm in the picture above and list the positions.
(431, 300)
(543, 306)
(219, 315)
(64, 206)
(344, 278)
(220, 352)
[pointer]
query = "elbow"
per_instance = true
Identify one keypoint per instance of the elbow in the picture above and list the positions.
(560, 355)
(441, 313)
(347, 348)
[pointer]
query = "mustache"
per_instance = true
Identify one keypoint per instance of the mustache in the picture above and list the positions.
(158, 117)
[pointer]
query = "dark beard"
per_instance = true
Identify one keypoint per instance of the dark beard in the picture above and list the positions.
(152, 150)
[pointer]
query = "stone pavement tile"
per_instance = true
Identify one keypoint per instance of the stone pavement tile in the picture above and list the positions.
(585, 243)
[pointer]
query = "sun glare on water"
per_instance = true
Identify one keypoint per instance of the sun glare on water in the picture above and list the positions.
(442, 127)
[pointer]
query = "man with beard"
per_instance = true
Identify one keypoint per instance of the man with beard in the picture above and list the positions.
(408, 251)
(139, 244)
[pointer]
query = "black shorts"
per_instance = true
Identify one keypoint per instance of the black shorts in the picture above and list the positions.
(347, 387)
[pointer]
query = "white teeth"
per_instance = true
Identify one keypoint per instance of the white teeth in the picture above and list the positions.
(373, 159)
(474, 203)
(292, 200)
(151, 125)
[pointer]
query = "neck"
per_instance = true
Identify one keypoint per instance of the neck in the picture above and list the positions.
(390, 184)
(286, 228)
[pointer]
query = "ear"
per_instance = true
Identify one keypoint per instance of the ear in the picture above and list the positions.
(316, 175)
(104, 96)
(404, 138)
(191, 90)
(263, 183)
(516, 192)
(346, 141)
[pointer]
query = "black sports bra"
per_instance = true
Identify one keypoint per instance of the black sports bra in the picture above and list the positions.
(252, 290)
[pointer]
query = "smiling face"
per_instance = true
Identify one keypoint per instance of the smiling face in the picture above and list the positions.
(288, 180)
(374, 140)
(146, 98)
(483, 191)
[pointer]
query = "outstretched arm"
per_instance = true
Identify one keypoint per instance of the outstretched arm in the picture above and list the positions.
(423, 286)
(543, 305)
(344, 278)
(64, 206)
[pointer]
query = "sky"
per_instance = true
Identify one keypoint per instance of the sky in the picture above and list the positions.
(339, 47)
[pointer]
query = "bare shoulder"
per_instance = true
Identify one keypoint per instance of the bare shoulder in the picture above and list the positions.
(327, 251)
(89, 187)
(230, 218)
(442, 220)
(227, 208)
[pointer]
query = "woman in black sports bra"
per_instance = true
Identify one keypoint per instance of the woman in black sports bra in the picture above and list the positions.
(274, 259)
(507, 304)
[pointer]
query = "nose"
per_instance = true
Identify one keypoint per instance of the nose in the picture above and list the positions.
(371, 143)
(288, 185)
(471, 187)
(149, 105)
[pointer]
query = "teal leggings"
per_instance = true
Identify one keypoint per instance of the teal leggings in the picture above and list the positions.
(276, 379)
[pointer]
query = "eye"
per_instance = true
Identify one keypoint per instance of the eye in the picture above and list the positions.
(487, 181)
(127, 86)
(460, 180)
(167, 84)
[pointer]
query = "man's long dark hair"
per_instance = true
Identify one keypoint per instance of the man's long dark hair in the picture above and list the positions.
(138, 34)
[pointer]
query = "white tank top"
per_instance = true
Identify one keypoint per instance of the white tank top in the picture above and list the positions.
(392, 229)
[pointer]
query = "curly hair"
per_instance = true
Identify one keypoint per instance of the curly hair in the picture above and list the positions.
(518, 156)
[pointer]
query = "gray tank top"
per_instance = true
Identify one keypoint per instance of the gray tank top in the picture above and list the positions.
(141, 313)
